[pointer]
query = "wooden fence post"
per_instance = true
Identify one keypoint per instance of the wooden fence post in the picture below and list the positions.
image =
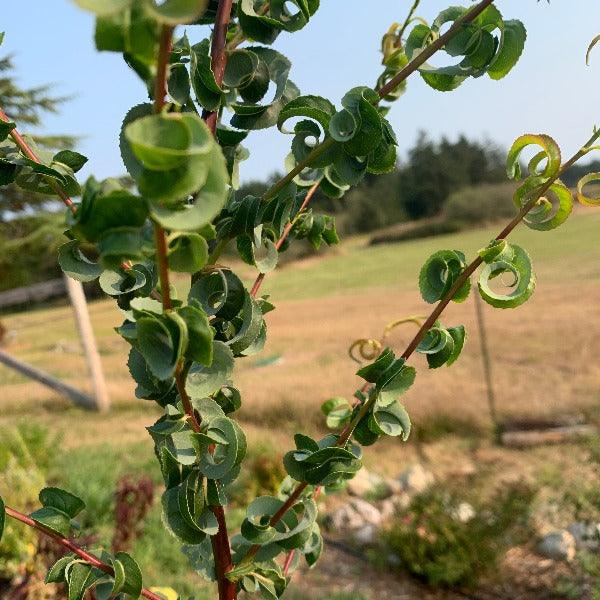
(86, 334)
(485, 357)
(55, 384)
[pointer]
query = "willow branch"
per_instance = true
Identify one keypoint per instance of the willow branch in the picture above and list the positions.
(390, 86)
(433, 317)
(286, 232)
(218, 54)
(94, 561)
(29, 153)
(470, 269)
(430, 50)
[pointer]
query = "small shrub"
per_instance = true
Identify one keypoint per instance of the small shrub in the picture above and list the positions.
(23, 459)
(133, 500)
(434, 545)
(481, 204)
(429, 228)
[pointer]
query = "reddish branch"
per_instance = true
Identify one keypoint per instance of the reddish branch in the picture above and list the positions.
(29, 153)
(347, 432)
(220, 541)
(470, 269)
(69, 545)
(218, 54)
(430, 50)
(286, 231)
(391, 85)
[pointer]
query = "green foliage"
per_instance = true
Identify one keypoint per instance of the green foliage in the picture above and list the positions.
(439, 275)
(487, 45)
(480, 204)
(58, 510)
(186, 207)
(434, 171)
(434, 545)
(442, 346)
(79, 577)
(502, 258)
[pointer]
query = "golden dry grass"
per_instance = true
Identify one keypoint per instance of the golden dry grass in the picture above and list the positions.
(544, 353)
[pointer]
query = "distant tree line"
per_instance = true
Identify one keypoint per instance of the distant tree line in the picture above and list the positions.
(418, 188)
(421, 186)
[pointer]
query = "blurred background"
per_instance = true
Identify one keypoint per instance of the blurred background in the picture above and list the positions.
(496, 494)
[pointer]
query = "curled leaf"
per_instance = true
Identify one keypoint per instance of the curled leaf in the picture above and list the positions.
(550, 210)
(550, 154)
(513, 262)
(584, 198)
(439, 274)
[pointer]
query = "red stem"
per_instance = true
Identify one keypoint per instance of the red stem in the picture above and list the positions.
(69, 545)
(220, 542)
(347, 432)
(384, 91)
(29, 153)
(160, 240)
(286, 231)
(164, 54)
(218, 54)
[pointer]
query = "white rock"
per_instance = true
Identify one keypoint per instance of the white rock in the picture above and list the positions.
(558, 545)
(366, 535)
(368, 512)
(387, 509)
(464, 512)
(364, 483)
(587, 535)
(416, 480)
(344, 518)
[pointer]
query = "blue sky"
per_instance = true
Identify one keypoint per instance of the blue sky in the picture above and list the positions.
(551, 90)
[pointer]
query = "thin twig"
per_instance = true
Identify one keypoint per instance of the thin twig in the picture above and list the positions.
(218, 54)
(286, 231)
(29, 153)
(469, 270)
(390, 86)
(94, 561)
(407, 21)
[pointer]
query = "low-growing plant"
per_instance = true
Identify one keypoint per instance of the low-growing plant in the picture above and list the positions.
(24, 454)
(183, 213)
(133, 499)
(443, 547)
(486, 203)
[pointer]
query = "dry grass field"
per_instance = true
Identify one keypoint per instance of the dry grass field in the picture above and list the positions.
(544, 353)
(545, 360)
